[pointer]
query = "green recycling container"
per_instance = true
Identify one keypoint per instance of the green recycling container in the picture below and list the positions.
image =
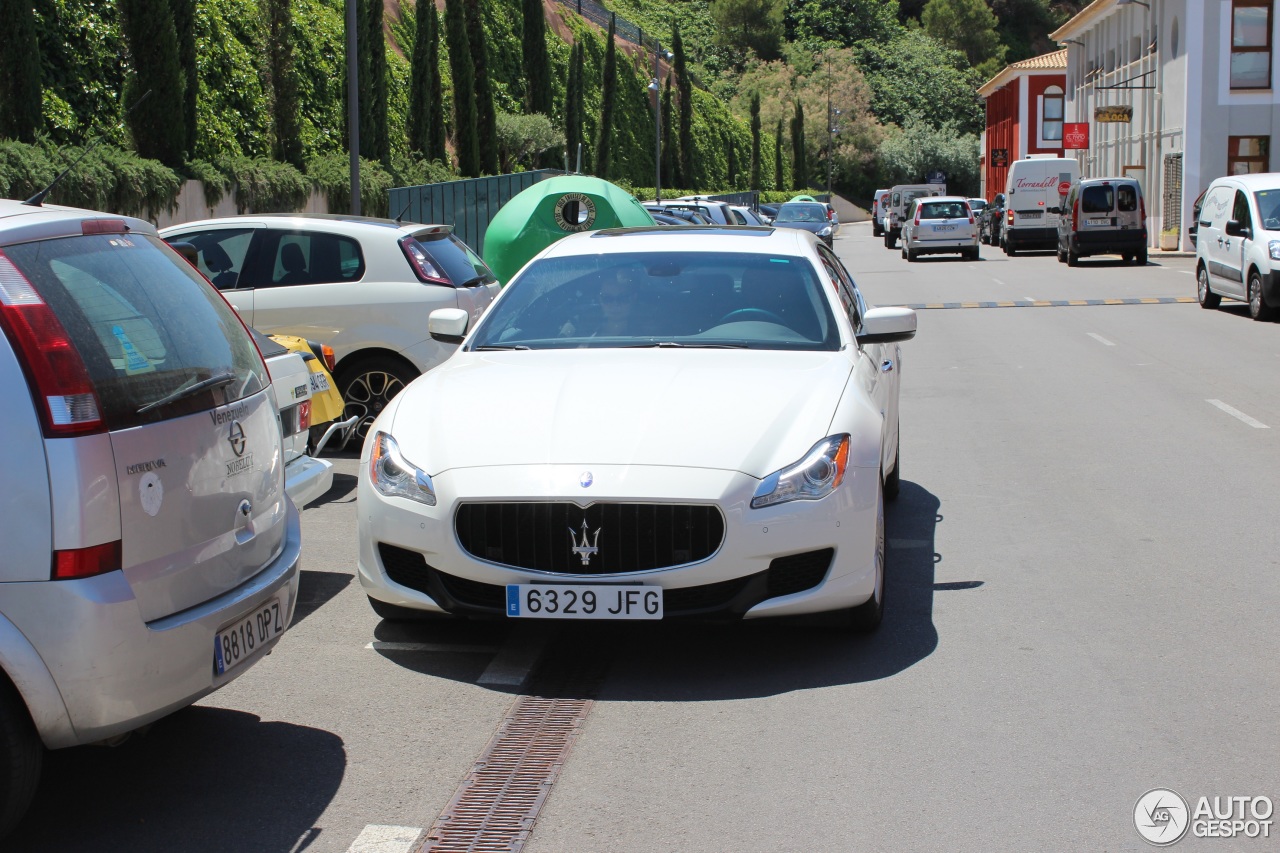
(551, 209)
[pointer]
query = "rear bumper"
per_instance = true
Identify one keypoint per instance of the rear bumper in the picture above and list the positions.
(940, 247)
(307, 478)
(1084, 243)
(112, 671)
(1017, 236)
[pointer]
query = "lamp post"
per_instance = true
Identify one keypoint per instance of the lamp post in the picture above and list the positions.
(656, 87)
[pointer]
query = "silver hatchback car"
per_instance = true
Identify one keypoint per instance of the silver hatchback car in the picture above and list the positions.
(150, 552)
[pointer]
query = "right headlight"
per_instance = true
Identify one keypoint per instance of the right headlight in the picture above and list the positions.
(812, 478)
(396, 477)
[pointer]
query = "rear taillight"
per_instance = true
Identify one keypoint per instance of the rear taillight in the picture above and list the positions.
(1075, 216)
(1010, 217)
(86, 562)
(969, 210)
(304, 416)
(918, 211)
(53, 364)
(423, 266)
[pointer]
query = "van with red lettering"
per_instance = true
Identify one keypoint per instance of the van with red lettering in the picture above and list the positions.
(1033, 197)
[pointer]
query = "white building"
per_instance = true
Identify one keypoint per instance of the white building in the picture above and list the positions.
(1199, 82)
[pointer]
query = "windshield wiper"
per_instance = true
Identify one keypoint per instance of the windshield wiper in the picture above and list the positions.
(215, 381)
(477, 279)
(490, 347)
(677, 345)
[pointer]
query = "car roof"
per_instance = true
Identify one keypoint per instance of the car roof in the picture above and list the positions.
(332, 222)
(753, 239)
(930, 199)
(20, 222)
(1257, 181)
(1124, 180)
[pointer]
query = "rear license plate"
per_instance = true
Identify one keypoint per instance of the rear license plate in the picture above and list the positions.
(583, 601)
(237, 643)
(1031, 214)
(944, 228)
(319, 383)
(1097, 222)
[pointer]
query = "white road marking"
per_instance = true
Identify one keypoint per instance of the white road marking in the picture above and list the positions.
(1236, 413)
(518, 655)
(899, 544)
(1100, 339)
(998, 281)
(430, 647)
(1185, 272)
(387, 839)
(1031, 299)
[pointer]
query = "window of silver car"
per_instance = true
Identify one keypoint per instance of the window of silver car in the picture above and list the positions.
(145, 323)
(1127, 198)
(311, 257)
(1097, 199)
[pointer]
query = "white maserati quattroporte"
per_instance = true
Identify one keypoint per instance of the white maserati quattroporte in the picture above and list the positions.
(648, 423)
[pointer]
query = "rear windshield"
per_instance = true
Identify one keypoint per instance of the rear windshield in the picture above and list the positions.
(146, 324)
(692, 299)
(942, 210)
(1097, 199)
(461, 265)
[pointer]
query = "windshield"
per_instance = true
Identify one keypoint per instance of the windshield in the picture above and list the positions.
(693, 299)
(1268, 208)
(802, 212)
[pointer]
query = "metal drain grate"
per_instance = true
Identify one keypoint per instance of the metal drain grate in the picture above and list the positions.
(495, 807)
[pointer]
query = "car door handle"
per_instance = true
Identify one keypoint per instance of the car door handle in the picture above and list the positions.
(1219, 241)
(886, 365)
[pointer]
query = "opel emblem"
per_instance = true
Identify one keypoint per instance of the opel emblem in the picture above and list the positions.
(237, 438)
(582, 549)
(586, 479)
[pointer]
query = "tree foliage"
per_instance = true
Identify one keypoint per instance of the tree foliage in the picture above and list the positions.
(184, 26)
(422, 106)
(464, 94)
(777, 157)
(573, 105)
(684, 88)
(912, 76)
(153, 56)
(522, 137)
(906, 156)
(968, 26)
(799, 162)
(608, 93)
(371, 48)
(750, 26)
(286, 132)
(841, 23)
(537, 64)
(486, 119)
(669, 152)
(20, 95)
(755, 141)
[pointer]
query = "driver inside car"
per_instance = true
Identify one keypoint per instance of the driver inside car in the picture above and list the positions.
(616, 307)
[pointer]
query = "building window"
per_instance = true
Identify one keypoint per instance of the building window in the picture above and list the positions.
(1248, 155)
(1250, 44)
(1051, 117)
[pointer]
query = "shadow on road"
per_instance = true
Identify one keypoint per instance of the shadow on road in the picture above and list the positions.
(340, 492)
(315, 589)
(204, 779)
(679, 661)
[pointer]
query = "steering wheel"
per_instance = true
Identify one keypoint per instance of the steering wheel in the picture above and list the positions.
(743, 313)
(1271, 223)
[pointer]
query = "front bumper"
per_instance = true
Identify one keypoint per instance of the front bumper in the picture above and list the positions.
(114, 672)
(435, 573)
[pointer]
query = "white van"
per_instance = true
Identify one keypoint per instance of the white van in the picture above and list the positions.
(896, 204)
(1033, 196)
(877, 228)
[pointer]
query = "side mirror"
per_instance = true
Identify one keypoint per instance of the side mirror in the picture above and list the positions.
(187, 250)
(1235, 229)
(887, 325)
(448, 325)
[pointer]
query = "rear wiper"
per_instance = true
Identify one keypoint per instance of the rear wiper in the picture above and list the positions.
(477, 279)
(490, 347)
(677, 345)
(215, 381)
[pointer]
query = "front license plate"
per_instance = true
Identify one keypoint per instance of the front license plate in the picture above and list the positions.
(583, 601)
(237, 643)
(319, 383)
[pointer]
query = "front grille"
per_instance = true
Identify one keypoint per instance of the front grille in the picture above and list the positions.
(798, 572)
(628, 537)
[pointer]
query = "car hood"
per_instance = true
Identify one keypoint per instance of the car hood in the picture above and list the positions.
(752, 411)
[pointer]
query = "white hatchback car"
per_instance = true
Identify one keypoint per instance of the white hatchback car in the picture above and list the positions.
(648, 424)
(1238, 243)
(151, 554)
(938, 225)
(363, 286)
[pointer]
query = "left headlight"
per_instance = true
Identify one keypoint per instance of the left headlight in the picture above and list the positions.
(1274, 248)
(396, 477)
(825, 232)
(812, 478)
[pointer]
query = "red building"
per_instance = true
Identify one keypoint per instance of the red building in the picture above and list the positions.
(1024, 115)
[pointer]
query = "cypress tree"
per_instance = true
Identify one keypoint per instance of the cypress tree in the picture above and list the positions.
(486, 119)
(799, 168)
(435, 129)
(153, 49)
(777, 157)
(184, 25)
(421, 79)
(608, 94)
(464, 92)
(755, 141)
(537, 65)
(669, 154)
(372, 47)
(686, 111)
(21, 113)
(732, 156)
(572, 107)
(287, 144)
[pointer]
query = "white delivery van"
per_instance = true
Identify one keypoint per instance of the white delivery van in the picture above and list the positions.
(1033, 198)
(896, 204)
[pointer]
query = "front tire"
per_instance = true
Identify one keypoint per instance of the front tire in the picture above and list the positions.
(888, 240)
(1258, 307)
(866, 617)
(1204, 293)
(1073, 260)
(368, 386)
(1141, 258)
(21, 757)
(893, 480)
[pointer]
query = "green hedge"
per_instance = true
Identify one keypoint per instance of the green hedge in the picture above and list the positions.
(108, 179)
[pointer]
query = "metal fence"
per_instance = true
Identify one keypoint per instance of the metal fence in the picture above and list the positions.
(624, 29)
(469, 206)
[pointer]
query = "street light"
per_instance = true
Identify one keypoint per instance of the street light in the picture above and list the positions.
(656, 87)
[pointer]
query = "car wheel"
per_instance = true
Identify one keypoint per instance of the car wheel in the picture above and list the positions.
(1204, 293)
(893, 480)
(1258, 308)
(866, 617)
(904, 250)
(1127, 258)
(368, 386)
(396, 613)
(1062, 256)
(888, 240)
(911, 255)
(21, 757)
(1141, 258)
(1073, 260)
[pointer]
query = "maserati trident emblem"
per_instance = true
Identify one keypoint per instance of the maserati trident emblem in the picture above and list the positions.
(586, 480)
(582, 549)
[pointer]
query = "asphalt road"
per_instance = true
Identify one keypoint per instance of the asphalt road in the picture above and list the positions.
(1082, 597)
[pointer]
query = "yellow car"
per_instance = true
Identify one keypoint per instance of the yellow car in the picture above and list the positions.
(326, 402)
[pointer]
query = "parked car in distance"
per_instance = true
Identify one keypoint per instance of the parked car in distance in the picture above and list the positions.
(899, 201)
(990, 221)
(808, 216)
(1033, 190)
(768, 212)
(691, 215)
(1239, 257)
(364, 286)
(668, 219)
(1195, 217)
(738, 383)
(744, 216)
(1103, 216)
(716, 212)
(938, 225)
(877, 225)
(151, 552)
(977, 205)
